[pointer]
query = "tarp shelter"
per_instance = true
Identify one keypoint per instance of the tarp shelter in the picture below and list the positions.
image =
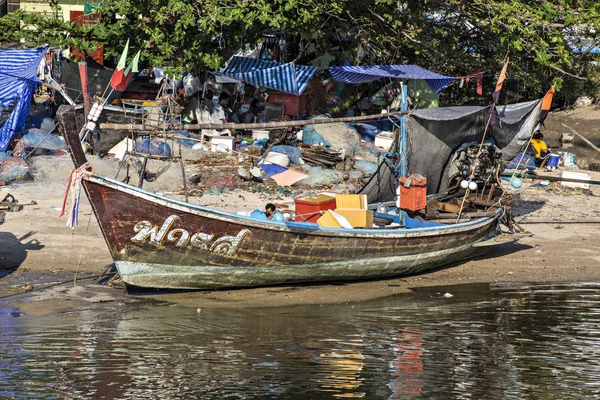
(436, 133)
(18, 81)
(285, 77)
(362, 74)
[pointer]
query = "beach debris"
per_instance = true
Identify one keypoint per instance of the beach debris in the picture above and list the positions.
(277, 158)
(291, 151)
(366, 167)
(14, 169)
(243, 173)
(37, 138)
(448, 295)
(318, 176)
(321, 156)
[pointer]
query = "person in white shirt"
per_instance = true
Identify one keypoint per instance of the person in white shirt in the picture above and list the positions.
(221, 111)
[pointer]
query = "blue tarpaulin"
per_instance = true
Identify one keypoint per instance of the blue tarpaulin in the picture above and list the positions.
(288, 77)
(18, 80)
(361, 74)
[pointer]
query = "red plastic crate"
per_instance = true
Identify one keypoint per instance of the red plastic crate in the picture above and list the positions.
(308, 209)
(414, 197)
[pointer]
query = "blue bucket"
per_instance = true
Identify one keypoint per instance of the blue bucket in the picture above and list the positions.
(553, 161)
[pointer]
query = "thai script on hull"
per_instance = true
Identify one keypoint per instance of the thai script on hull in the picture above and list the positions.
(166, 234)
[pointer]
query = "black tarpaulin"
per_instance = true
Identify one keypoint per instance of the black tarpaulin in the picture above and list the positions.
(434, 134)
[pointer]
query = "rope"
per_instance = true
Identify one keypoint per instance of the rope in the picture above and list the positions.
(74, 182)
(81, 252)
(42, 141)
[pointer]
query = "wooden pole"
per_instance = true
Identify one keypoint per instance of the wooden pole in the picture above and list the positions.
(257, 125)
(84, 86)
(142, 172)
(182, 164)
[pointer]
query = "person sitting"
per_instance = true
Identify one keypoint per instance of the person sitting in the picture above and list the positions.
(207, 102)
(538, 148)
(270, 210)
(220, 113)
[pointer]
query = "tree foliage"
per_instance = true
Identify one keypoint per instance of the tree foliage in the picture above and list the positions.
(454, 37)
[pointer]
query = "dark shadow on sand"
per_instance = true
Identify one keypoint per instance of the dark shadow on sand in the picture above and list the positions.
(525, 207)
(13, 251)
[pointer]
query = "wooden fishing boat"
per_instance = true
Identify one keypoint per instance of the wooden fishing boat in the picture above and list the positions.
(159, 242)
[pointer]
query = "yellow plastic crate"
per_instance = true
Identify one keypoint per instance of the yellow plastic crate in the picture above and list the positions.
(357, 218)
(351, 201)
(328, 220)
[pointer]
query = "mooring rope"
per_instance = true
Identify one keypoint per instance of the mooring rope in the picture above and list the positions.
(74, 182)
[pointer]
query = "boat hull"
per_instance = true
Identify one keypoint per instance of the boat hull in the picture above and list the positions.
(163, 243)
(159, 242)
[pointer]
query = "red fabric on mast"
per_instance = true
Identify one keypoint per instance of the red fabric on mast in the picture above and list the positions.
(501, 78)
(127, 73)
(479, 83)
(118, 75)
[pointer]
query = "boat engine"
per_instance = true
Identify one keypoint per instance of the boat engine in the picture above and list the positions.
(467, 165)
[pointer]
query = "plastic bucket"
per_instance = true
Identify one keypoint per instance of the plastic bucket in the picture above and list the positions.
(553, 160)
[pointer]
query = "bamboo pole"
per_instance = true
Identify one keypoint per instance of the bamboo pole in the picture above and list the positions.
(256, 125)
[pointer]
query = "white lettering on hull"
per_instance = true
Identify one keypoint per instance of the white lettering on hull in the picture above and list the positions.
(153, 234)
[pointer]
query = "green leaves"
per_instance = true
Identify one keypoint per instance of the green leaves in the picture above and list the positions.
(454, 37)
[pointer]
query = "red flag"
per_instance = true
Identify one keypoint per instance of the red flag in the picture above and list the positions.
(126, 75)
(479, 83)
(118, 75)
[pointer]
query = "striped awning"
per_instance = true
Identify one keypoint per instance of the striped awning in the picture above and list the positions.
(361, 74)
(285, 77)
(18, 80)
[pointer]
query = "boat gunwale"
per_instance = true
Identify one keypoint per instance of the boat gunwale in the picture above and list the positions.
(290, 226)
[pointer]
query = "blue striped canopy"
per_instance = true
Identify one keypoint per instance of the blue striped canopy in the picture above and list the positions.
(359, 74)
(288, 77)
(18, 80)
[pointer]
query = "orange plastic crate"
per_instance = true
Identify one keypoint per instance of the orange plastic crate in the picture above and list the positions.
(414, 197)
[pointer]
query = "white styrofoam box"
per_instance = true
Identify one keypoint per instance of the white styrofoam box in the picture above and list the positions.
(383, 141)
(221, 144)
(258, 134)
(277, 158)
(575, 175)
(123, 147)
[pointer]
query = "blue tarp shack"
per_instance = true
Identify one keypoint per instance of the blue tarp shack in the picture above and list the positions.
(362, 74)
(285, 77)
(18, 81)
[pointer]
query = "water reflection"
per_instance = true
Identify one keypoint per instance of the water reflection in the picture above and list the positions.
(498, 343)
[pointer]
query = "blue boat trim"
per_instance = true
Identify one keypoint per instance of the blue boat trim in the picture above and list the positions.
(301, 225)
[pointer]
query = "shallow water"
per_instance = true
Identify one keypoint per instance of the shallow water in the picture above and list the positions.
(484, 343)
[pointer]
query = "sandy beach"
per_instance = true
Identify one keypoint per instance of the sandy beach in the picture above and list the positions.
(37, 249)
